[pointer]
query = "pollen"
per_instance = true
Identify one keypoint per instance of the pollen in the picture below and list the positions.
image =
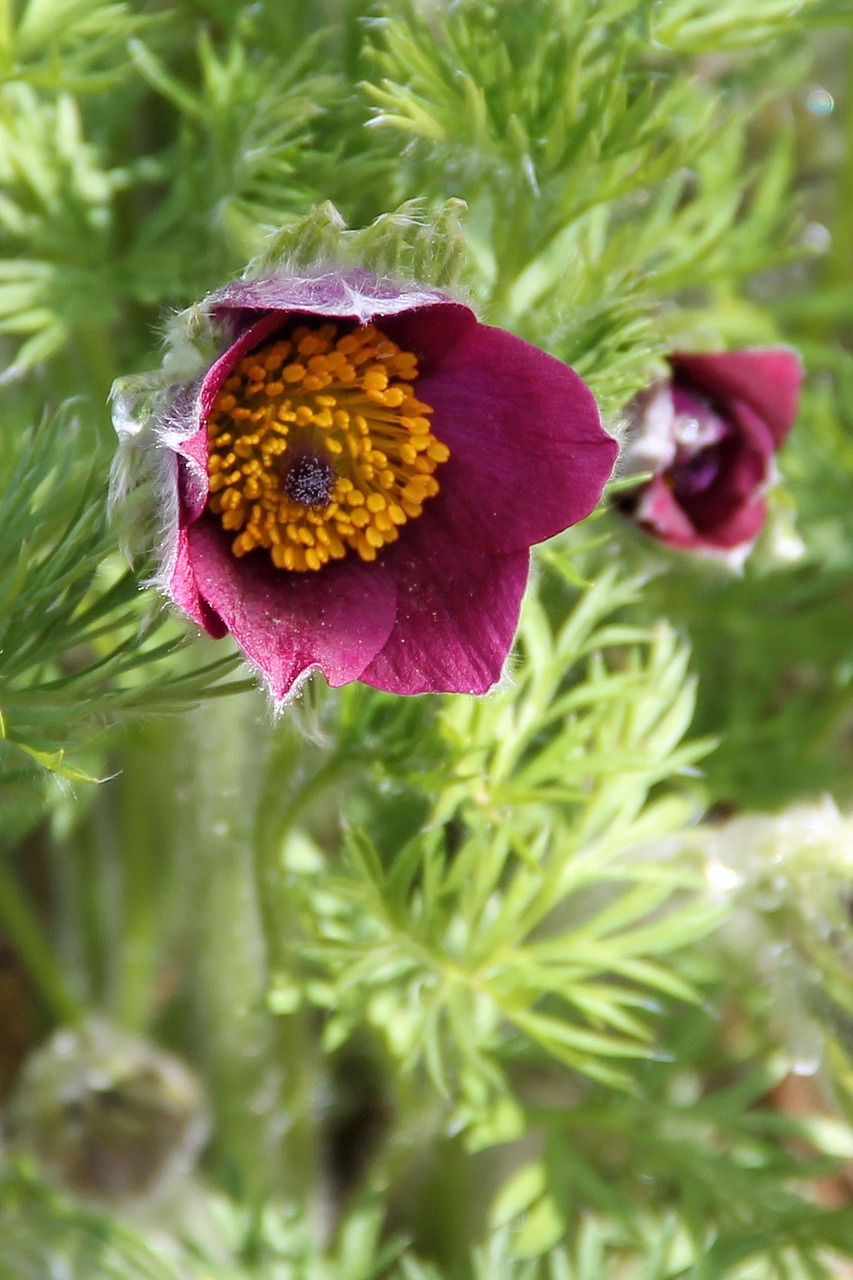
(318, 446)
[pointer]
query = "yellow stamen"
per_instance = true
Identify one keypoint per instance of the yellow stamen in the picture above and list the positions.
(318, 444)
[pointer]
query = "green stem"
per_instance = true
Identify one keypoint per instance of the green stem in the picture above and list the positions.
(274, 825)
(279, 806)
(95, 342)
(26, 935)
(147, 855)
(226, 747)
(837, 269)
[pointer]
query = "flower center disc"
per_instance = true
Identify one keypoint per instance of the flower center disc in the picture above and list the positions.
(318, 444)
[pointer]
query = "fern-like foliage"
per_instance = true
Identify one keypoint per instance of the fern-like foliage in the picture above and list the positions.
(76, 647)
(517, 914)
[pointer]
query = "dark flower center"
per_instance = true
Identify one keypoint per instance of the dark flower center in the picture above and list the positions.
(309, 481)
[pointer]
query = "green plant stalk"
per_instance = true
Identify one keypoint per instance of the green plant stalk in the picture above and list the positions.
(100, 361)
(222, 743)
(837, 269)
(35, 953)
(288, 787)
(275, 822)
(260, 1068)
(147, 859)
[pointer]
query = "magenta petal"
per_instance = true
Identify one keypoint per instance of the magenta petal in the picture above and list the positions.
(457, 612)
(765, 378)
(185, 429)
(287, 623)
(742, 526)
(529, 456)
(184, 590)
(193, 482)
(753, 430)
(250, 338)
(743, 465)
(659, 513)
(733, 512)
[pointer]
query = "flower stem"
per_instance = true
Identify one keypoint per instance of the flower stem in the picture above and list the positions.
(26, 935)
(288, 787)
(275, 823)
(230, 980)
(147, 824)
(838, 260)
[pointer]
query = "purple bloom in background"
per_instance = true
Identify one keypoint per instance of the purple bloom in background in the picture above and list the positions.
(709, 435)
(355, 480)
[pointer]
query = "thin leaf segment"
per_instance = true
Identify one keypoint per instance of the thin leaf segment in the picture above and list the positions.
(319, 444)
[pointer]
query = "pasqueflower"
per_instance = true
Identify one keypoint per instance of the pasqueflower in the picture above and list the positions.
(709, 434)
(354, 480)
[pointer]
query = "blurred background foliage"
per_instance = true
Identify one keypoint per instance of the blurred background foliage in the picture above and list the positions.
(496, 990)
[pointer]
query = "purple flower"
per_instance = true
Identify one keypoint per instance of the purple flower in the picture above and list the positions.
(355, 479)
(709, 435)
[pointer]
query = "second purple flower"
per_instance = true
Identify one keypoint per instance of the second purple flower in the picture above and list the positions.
(709, 435)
